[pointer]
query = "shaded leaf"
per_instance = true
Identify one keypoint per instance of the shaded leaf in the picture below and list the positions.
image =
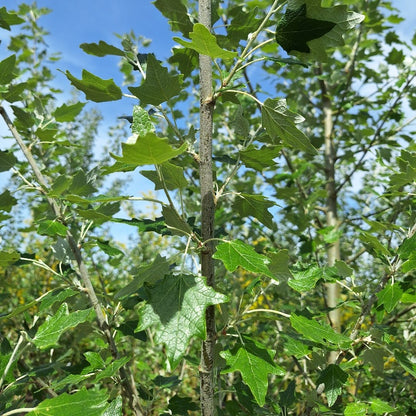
(111, 369)
(254, 361)
(175, 223)
(181, 405)
(254, 206)
(148, 150)
(319, 332)
(203, 42)
(260, 159)
(101, 49)
(390, 296)
(172, 175)
(159, 86)
(175, 306)
(150, 273)
(333, 377)
(7, 67)
(7, 201)
(95, 88)
(295, 29)
(279, 123)
(49, 332)
(404, 361)
(238, 254)
(68, 112)
(287, 397)
(177, 14)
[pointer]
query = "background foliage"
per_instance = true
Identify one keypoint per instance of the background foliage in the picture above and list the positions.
(314, 168)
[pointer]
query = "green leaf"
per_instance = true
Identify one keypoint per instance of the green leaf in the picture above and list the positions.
(148, 150)
(355, 409)
(390, 296)
(95, 88)
(150, 273)
(287, 397)
(81, 185)
(238, 254)
(279, 265)
(57, 295)
(159, 86)
(115, 408)
(82, 403)
(295, 347)
(279, 123)
(333, 378)
(254, 361)
(101, 49)
(172, 175)
(186, 59)
(407, 248)
(181, 405)
(52, 228)
(374, 246)
(9, 19)
(8, 257)
(295, 29)
(243, 22)
(112, 368)
(142, 123)
(203, 42)
(176, 306)
(24, 118)
(254, 206)
(68, 112)
(7, 67)
(108, 249)
(343, 269)
(307, 29)
(177, 14)
(379, 407)
(404, 361)
(7, 201)
(260, 159)
(175, 223)
(319, 332)
(305, 280)
(49, 332)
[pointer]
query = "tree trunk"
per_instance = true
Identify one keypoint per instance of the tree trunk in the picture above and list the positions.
(206, 369)
(333, 250)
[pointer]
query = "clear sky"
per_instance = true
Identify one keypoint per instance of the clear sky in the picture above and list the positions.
(77, 21)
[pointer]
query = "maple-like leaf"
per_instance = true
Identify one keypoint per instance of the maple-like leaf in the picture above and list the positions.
(159, 86)
(175, 306)
(254, 361)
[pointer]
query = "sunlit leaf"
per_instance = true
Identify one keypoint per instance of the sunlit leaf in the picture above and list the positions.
(319, 332)
(355, 409)
(82, 403)
(52, 228)
(380, 407)
(95, 88)
(238, 254)
(203, 42)
(9, 19)
(50, 331)
(148, 150)
(390, 296)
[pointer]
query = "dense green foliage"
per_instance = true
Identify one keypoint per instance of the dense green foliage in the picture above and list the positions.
(314, 169)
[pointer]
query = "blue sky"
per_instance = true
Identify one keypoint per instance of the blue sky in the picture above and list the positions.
(78, 21)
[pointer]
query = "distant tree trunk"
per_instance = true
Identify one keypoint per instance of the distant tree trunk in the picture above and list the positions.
(207, 214)
(333, 250)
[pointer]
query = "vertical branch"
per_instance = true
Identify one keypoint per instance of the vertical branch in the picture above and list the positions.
(207, 214)
(333, 250)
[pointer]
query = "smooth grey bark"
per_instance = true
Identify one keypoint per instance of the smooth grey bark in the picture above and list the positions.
(206, 368)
